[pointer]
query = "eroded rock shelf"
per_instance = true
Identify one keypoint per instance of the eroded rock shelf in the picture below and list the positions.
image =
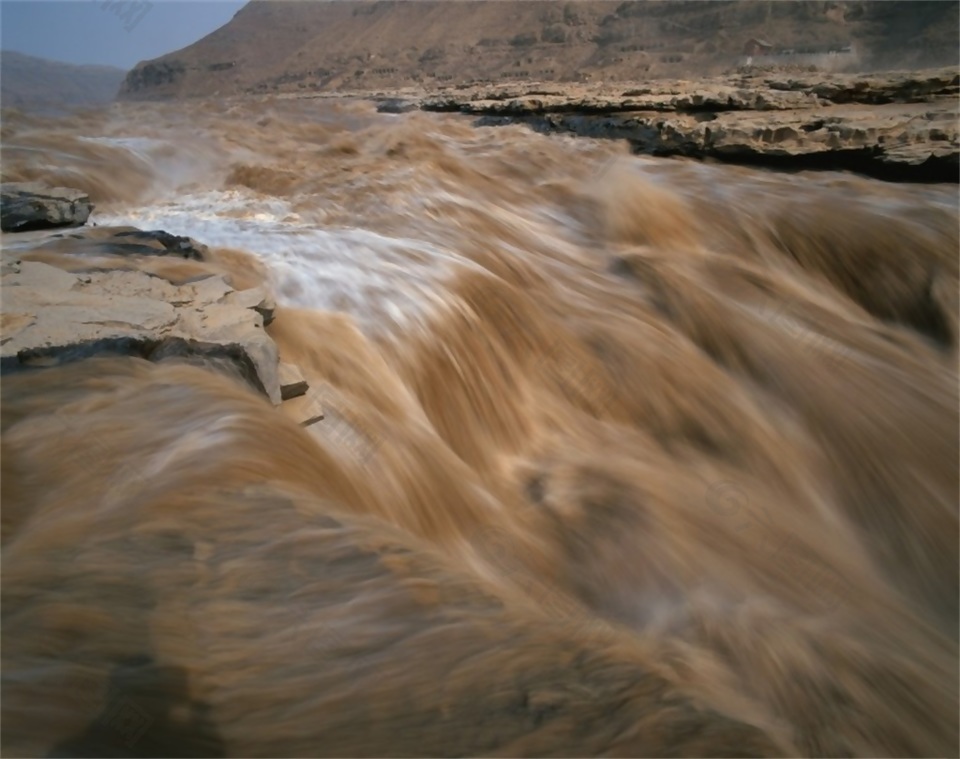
(101, 303)
(897, 126)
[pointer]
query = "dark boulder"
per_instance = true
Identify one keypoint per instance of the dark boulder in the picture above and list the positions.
(25, 206)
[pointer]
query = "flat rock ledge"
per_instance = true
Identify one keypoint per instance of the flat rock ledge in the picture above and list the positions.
(49, 315)
(26, 206)
(897, 126)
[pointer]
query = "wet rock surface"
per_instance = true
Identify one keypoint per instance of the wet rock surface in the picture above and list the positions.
(111, 241)
(51, 315)
(900, 126)
(26, 206)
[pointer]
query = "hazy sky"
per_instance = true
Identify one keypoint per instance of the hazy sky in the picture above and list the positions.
(110, 32)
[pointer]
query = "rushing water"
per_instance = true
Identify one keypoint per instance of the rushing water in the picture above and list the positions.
(621, 456)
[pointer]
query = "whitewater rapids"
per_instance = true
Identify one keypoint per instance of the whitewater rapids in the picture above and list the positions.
(622, 456)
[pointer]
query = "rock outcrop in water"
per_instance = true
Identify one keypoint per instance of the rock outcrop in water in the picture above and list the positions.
(26, 206)
(105, 305)
(896, 126)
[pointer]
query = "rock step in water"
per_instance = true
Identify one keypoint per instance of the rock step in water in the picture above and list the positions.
(304, 409)
(51, 315)
(299, 402)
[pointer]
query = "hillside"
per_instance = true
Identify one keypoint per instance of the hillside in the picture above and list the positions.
(30, 83)
(349, 45)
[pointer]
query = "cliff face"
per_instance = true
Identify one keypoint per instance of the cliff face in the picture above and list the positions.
(31, 83)
(295, 46)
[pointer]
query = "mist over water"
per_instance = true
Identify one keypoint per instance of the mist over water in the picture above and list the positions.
(621, 456)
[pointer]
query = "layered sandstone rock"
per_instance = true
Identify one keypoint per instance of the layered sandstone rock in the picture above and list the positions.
(896, 126)
(52, 315)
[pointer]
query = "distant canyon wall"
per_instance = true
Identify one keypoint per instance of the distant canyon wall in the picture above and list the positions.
(36, 84)
(330, 46)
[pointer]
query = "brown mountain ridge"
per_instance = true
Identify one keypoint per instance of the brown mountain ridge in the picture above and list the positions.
(277, 46)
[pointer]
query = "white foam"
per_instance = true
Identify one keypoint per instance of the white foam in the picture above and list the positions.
(171, 164)
(380, 281)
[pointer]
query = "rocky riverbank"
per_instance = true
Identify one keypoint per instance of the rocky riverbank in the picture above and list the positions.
(72, 294)
(899, 126)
